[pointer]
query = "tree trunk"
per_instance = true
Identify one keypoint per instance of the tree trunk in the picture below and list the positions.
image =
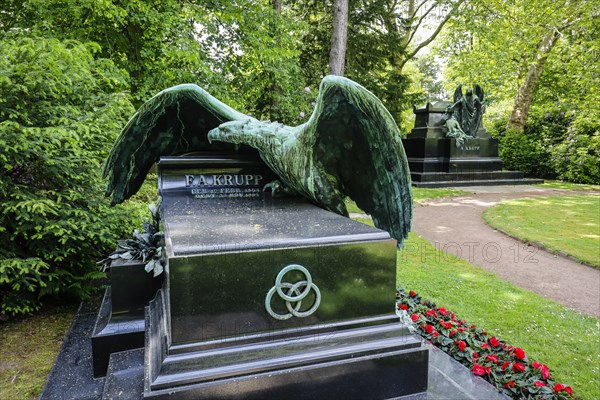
(275, 90)
(524, 98)
(337, 55)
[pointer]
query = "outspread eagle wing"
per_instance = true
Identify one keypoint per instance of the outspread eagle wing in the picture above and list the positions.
(358, 149)
(175, 121)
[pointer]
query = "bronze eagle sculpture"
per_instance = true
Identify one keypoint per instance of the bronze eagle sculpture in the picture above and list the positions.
(350, 146)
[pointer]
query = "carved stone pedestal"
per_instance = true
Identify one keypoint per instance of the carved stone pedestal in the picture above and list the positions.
(272, 297)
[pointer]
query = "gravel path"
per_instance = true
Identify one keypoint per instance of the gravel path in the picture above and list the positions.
(456, 225)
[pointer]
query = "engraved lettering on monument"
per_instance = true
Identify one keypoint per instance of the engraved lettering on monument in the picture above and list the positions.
(220, 186)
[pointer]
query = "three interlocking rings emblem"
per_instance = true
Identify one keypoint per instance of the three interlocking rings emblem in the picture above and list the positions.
(293, 294)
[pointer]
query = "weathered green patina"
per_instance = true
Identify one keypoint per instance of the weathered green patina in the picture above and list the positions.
(468, 109)
(455, 131)
(351, 146)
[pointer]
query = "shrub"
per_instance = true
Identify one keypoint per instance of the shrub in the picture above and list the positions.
(525, 152)
(60, 111)
(576, 158)
(556, 143)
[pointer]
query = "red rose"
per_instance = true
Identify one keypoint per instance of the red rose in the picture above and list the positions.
(429, 328)
(452, 333)
(542, 368)
(558, 387)
(488, 370)
(435, 334)
(493, 358)
(472, 327)
(403, 307)
(518, 367)
(545, 372)
(494, 342)
(519, 353)
(539, 383)
(453, 316)
(475, 354)
(485, 346)
(504, 365)
(414, 317)
(412, 293)
(461, 345)
(442, 310)
(509, 384)
(446, 325)
(478, 370)
(431, 312)
(569, 390)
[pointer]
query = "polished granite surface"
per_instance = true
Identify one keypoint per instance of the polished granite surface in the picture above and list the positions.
(71, 376)
(217, 225)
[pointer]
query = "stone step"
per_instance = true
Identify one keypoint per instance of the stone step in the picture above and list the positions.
(125, 376)
(113, 334)
(423, 177)
(216, 364)
(477, 182)
(380, 360)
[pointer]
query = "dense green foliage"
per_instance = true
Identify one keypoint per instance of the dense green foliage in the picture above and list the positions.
(60, 110)
(555, 144)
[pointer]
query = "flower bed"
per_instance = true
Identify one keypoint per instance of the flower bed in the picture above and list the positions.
(504, 366)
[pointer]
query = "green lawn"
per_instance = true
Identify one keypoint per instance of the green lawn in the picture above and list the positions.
(568, 185)
(566, 224)
(566, 341)
(28, 349)
(419, 195)
(422, 194)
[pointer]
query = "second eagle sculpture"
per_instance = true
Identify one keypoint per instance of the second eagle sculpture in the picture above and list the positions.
(350, 146)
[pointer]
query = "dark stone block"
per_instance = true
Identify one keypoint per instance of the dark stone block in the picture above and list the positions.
(262, 298)
(226, 253)
(131, 289)
(429, 120)
(72, 377)
(266, 295)
(371, 358)
(120, 322)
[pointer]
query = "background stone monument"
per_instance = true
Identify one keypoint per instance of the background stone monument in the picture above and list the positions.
(450, 147)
